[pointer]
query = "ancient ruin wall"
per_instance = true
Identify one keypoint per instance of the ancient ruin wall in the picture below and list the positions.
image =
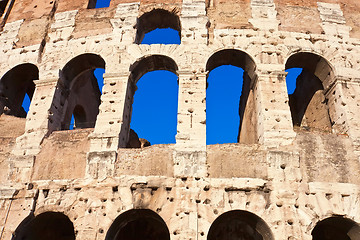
(295, 173)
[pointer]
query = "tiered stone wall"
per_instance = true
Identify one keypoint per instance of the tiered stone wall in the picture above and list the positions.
(290, 177)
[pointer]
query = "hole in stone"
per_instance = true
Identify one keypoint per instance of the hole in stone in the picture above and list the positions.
(30, 186)
(45, 192)
(328, 196)
(207, 201)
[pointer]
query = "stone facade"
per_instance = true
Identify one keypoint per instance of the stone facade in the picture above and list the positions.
(295, 173)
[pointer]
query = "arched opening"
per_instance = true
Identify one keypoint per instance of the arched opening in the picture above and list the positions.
(79, 117)
(80, 95)
(238, 224)
(154, 104)
(15, 85)
(48, 225)
(336, 228)
(158, 27)
(138, 224)
(308, 103)
(230, 107)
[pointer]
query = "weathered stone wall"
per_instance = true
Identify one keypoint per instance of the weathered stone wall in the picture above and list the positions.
(290, 177)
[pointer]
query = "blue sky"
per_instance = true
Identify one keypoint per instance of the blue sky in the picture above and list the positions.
(154, 115)
(102, 3)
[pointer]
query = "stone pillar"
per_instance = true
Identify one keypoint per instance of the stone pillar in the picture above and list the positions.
(264, 15)
(286, 184)
(274, 122)
(333, 20)
(39, 121)
(344, 109)
(124, 20)
(190, 155)
(112, 125)
(194, 22)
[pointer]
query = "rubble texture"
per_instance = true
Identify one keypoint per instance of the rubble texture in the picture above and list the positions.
(295, 173)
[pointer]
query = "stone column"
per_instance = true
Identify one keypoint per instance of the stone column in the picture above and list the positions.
(40, 119)
(194, 22)
(264, 14)
(190, 156)
(124, 20)
(274, 121)
(112, 125)
(333, 20)
(286, 187)
(344, 108)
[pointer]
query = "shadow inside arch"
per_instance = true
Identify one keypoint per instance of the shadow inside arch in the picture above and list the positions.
(138, 224)
(336, 228)
(45, 226)
(239, 224)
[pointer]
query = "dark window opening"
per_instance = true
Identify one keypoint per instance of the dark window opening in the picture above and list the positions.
(98, 4)
(154, 104)
(79, 117)
(308, 73)
(80, 92)
(336, 228)
(3, 4)
(48, 225)
(138, 224)
(239, 224)
(15, 85)
(158, 27)
(230, 107)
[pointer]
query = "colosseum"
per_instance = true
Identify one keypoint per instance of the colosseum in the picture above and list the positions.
(294, 173)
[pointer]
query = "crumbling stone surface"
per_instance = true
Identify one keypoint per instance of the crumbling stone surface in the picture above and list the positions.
(328, 158)
(94, 22)
(233, 159)
(62, 155)
(293, 175)
(11, 128)
(150, 161)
